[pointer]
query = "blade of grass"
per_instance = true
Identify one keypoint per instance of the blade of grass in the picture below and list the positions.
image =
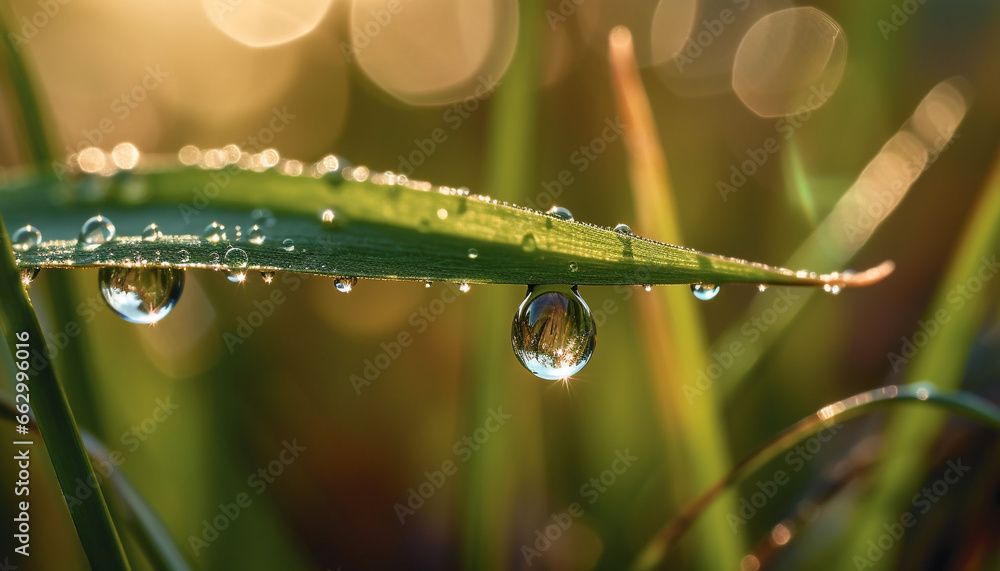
(498, 474)
(55, 421)
(966, 405)
(912, 433)
(844, 231)
(673, 331)
(31, 113)
(144, 523)
(380, 231)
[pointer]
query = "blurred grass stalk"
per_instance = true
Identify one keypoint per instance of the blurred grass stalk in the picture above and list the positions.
(497, 472)
(673, 330)
(911, 434)
(878, 190)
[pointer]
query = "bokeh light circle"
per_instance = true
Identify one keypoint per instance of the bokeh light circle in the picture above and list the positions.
(264, 23)
(789, 61)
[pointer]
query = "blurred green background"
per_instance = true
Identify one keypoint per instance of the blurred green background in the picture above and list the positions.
(213, 82)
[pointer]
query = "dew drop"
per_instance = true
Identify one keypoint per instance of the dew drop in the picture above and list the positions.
(327, 216)
(141, 295)
(560, 213)
(553, 333)
(834, 289)
(26, 238)
(427, 285)
(345, 284)
(762, 287)
(473, 253)
(573, 266)
(96, 231)
(236, 276)
(623, 229)
(185, 256)
(647, 287)
(705, 292)
(528, 243)
(256, 235)
(288, 245)
(215, 232)
(238, 231)
(464, 288)
(268, 277)
(263, 217)
(151, 233)
(236, 258)
(28, 275)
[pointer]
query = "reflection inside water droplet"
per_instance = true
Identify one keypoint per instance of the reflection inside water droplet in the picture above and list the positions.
(26, 238)
(560, 213)
(141, 295)
(96, 231)
(345, 284)
(705, 292)
(553, 333)
(151, 233)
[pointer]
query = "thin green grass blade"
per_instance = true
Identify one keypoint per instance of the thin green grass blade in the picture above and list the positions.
(380, 231)
(501, 470)
(673, 331)
(55, 421)
(31, 113)
(966, 405)
(876, 193)
(958, 314)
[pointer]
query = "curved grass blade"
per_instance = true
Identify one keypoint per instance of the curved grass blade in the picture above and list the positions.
(379, 229)
(943, 358)
(673, 331)
(961, 403)
(31, 114)
(147, 526)
(55, 421)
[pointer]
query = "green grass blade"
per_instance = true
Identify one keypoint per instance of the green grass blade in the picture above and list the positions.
(961, 403)
(673, 331)
(499, 473)
(31, 113)
(55, 422)
(958, 315)
(379, 231)
(849, 225)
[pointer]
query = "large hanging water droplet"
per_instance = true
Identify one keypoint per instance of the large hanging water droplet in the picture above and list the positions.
(553, 333)
(623, 229)
(560, 213)
(705, 292)
(28, 275)
(96, 231)
(141, 295)
(151, 233)
(214, 232)
(26, 238)
(345, 284)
